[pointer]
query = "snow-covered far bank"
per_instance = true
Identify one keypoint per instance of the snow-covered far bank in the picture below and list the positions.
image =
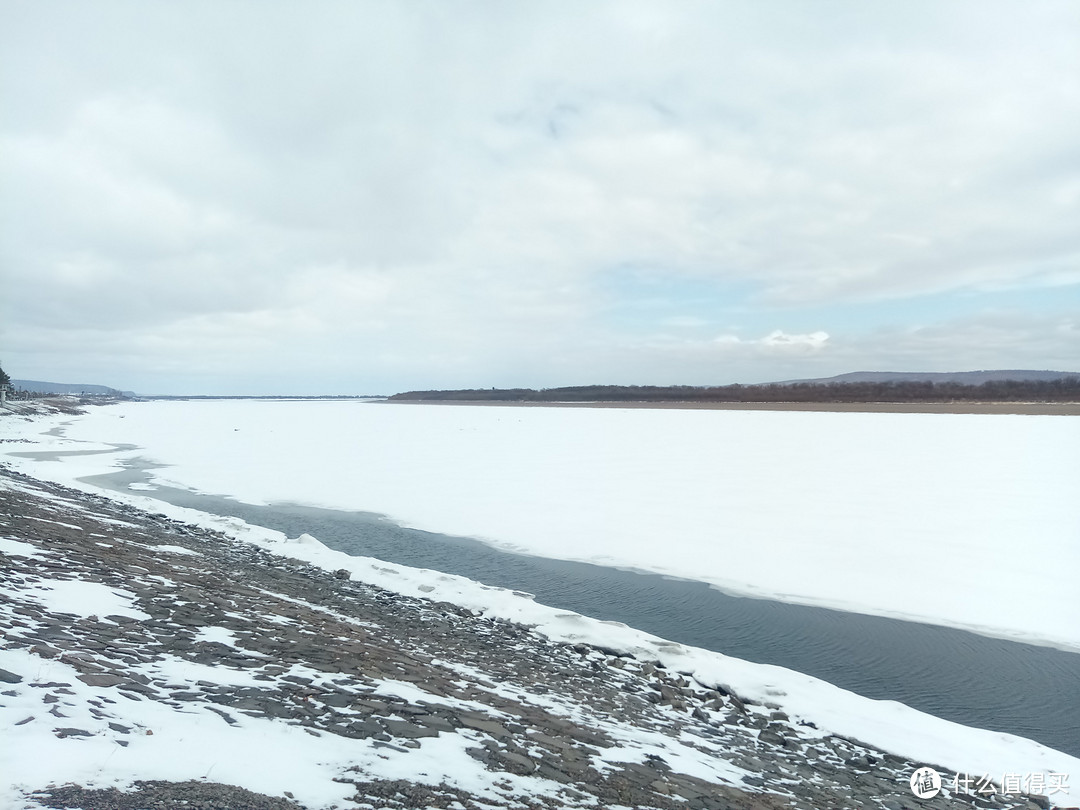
(960, 520)
(884, 724)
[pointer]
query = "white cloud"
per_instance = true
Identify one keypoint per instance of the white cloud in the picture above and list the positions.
(778, 341)
(783, 341)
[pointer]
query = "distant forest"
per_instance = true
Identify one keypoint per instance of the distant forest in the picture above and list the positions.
(1061, 390)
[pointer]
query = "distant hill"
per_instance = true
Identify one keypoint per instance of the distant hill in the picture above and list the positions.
(961, 377)
(39, 387)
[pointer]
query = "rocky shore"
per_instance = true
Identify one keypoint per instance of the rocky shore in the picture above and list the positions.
(220, 629)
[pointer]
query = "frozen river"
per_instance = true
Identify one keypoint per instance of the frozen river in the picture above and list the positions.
(968, 521)
(929, 559)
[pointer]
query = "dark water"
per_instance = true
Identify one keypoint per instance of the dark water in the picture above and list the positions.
(990, 683)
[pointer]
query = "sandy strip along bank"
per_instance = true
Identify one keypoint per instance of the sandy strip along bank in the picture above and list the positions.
(139, 648)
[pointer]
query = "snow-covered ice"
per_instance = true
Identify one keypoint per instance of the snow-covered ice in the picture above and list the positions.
(969, 521)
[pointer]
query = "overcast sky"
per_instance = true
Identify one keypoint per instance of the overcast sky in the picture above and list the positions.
(368, 197)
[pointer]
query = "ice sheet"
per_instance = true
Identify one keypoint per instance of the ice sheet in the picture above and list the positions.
(969, 521)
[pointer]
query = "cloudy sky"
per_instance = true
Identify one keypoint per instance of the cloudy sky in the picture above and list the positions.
(368, 197)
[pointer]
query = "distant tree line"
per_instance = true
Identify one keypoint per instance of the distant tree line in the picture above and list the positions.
(1066, 389)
